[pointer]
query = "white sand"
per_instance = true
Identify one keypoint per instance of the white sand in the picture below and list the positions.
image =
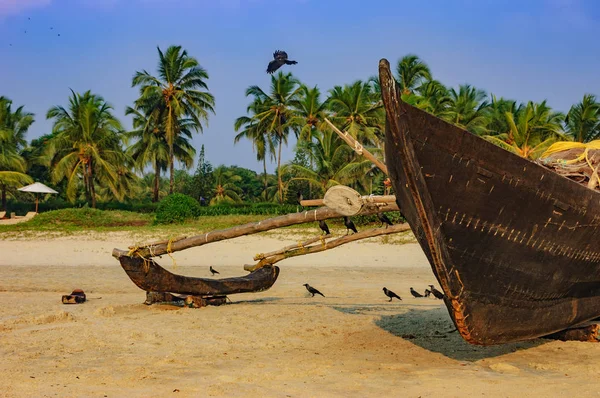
(278, 343)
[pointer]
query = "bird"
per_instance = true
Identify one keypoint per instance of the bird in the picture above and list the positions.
(280, 58)
(391, 294)
(436, 293)
(384, 219)
(427, 292)
(299, 199)
(324, 227)
(213, 271)
(312, 290)
(349, 225)
(415, 293)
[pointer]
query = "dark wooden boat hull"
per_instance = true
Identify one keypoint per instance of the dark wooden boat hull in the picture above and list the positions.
(513, 245)
(151, 277)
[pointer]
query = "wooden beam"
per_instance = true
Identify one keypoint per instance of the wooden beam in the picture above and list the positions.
(366, 198)
(174, 245)
(358, 148)
(294, 251)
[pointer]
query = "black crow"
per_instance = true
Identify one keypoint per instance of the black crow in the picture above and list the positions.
(324, 227)
(427, 292)
(391, 294)
(312, 290)
(280, 58)
(415, 293)
(213, 271)
(436, 293)
(384, 219)
(349, 225)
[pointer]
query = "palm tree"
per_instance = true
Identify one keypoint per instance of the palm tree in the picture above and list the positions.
(311, 112)
(335, 162)
(433, 97)
(583, 120)
(225, 186)
(468, 109)
(277, 112)
(151, 146)
(531, 131)
(13, 127)
(86, 144)
(179, 91)
(411, 72)
(356, 110)
(497, 121)
(262, 140)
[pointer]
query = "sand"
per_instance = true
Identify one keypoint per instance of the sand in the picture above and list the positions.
(278, 343)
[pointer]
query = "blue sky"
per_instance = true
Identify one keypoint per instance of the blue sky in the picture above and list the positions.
(524, 50)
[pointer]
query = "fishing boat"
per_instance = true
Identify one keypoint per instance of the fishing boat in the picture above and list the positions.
(514, 246)
(151, 277)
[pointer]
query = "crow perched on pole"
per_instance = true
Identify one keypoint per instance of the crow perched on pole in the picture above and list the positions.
(324, 227)
(349, 225)
(384, 219)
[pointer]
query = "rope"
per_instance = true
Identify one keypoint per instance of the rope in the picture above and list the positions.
(358, 148)
(170, 250)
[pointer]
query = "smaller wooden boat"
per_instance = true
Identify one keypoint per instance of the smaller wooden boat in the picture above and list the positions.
(151, 277)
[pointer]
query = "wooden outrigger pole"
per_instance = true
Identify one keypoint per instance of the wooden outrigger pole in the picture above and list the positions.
(339, 201)
(174, 245)
(358, 148)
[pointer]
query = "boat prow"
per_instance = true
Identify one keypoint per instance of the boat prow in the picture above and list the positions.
(513, 245)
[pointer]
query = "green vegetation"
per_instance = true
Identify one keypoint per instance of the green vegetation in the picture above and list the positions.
(176, 208)
(93, 162)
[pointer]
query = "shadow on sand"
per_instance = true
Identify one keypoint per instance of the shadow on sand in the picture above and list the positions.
(433, 330)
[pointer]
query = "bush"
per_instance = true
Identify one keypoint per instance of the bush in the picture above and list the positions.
(177, 208)
(257, 209)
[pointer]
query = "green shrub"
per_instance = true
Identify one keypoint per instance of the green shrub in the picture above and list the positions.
(177, 208)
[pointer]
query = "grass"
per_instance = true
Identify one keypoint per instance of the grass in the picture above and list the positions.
(71, 221)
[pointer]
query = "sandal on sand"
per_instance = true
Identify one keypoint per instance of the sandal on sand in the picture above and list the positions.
(76, 297)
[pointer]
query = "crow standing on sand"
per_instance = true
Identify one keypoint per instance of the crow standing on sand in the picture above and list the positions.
(384, 219)
(324, 227)
(312, 290)
(213, 271)
(391, 294)
(415, 293)
(280, 58)
(436, 293)
(349, 225)
(427, 292)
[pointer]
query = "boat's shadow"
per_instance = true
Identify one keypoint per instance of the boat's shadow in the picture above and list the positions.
(433, 330)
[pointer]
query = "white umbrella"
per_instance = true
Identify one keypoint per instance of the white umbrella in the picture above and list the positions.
(37, 187)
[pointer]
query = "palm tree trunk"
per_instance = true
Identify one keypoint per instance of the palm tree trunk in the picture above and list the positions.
(171, 169)
(265, 170)
(92, 189)
(279, 181)
(3, 197)
(156, 182)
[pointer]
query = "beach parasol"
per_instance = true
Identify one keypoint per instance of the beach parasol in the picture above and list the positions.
(37, 187)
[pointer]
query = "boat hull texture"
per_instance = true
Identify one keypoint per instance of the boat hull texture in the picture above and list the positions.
(514, 246)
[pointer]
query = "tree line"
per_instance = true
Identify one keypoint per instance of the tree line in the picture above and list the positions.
(90, 157)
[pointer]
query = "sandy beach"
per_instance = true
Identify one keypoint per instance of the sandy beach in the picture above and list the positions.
(277, 343)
